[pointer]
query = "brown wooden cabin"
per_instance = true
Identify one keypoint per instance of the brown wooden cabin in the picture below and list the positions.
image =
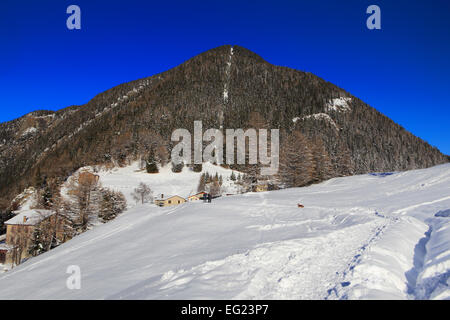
(20, 231)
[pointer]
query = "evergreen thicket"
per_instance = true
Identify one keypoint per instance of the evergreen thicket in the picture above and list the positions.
(112, 204)
(151, 164)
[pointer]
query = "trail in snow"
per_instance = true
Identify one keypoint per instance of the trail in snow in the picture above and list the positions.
(430, 276)
(419, 262)
(344, 277)
(227, 76)
(226, 86)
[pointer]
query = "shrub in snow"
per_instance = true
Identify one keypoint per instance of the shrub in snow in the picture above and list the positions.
(177, 168)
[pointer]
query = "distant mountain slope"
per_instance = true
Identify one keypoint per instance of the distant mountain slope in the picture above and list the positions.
(225, 87)
(357, 237)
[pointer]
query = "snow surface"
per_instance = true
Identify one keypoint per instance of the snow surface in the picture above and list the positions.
(29, 131)
(319, 116)
(339, 104)
(360, 237)
(31, 217)
(25, 199)
(227, 72)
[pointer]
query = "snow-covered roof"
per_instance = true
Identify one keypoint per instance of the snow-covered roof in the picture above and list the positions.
(198, 194)
(30, 217)
(159, 198)
(4, 246)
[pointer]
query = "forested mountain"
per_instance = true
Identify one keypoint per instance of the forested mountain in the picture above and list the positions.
(325, 131)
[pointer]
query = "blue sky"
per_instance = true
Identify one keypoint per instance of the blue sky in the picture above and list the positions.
(402, 70)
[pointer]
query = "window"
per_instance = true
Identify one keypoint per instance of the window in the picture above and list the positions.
(170, 201)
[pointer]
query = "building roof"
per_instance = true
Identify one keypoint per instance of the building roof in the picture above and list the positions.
(30, 217)
(197, 194)
(164, 199)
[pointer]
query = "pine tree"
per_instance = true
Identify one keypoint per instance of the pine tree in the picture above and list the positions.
(233, 176)
(151, 165)
(113, 203)
(47, 197)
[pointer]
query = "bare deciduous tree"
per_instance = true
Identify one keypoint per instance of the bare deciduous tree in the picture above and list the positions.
(143, 193)
(84, 189)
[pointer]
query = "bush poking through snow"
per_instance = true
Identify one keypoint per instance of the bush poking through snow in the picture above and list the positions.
(177, 168)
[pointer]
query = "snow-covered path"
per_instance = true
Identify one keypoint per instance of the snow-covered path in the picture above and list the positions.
(357, 237)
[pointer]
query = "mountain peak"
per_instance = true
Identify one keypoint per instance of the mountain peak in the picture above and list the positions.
(225, 87)
(225, 51)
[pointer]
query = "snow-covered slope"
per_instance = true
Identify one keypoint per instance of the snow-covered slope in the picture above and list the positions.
(361, 237)
(126, 179)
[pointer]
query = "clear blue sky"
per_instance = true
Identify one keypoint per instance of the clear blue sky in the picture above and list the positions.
(402, 70)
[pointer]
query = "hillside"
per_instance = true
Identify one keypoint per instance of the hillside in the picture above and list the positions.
(228, 87)
(366, 237)
(126, 179)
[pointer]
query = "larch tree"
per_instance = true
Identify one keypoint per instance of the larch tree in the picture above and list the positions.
(84, 190)
(296, 163)
(321, 161)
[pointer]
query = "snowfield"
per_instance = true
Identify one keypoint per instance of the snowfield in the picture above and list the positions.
(374, 236)
(126, 179)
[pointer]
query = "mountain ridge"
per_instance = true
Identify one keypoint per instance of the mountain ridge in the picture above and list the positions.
(229, 87)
